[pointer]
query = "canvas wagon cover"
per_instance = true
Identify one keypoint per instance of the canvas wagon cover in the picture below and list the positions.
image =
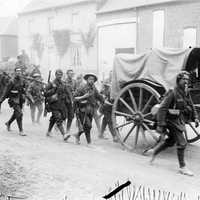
(159, 65)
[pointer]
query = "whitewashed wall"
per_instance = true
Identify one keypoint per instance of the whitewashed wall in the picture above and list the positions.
(62, 19)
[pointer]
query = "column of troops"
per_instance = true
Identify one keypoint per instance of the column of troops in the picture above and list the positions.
(65, 98)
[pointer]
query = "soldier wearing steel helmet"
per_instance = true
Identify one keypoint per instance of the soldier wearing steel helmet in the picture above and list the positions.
(58, 96)
(86, 97)
(35, 93)
(16, 92)
(175, 110)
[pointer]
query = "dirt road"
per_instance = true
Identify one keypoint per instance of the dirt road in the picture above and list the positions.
(47, 168)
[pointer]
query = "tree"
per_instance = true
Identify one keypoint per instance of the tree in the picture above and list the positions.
(38, 45)
(62, 41)
(89, 37)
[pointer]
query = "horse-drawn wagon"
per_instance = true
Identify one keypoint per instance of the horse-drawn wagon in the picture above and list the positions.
(139, 82)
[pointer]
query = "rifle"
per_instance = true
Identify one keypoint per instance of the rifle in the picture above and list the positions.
(32, 79)
(46, 102)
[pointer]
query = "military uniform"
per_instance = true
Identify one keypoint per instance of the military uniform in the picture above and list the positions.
(106, 110)
(15, 92)
(35, 93)
(175, 110)
(86, 108)
(71, 84)
(58, 96)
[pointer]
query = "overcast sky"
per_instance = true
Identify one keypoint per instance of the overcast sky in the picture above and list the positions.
(12, 7)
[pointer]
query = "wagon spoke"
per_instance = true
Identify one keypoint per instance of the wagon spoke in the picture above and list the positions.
(193, 129)
(137, 134)
(149, 130)
(125, 124)
(145, 115)
(140, 98)
(149, 121)
(124, 140)
(123, 114)
(147, 104)
(124, 102)
(133, 100)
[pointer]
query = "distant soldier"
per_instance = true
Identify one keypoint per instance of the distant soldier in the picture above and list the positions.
(106, 110)
(16, 92)
(24, 57)
(86, 97)
(20, 64)
(71, 84)
(35, 94)
(58, 96)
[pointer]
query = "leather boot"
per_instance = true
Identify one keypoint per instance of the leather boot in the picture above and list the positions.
(157, 149)
(51, 124)
(10, 122)
(61, 129)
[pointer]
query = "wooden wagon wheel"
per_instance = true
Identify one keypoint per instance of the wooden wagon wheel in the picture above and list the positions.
(134, 103)
(192, 134)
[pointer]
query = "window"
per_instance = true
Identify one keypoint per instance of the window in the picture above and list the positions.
(189, 37)
(76, 55)
(75, 19)
(158, 28)
(50, 24)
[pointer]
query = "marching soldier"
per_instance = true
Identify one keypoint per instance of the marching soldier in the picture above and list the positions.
(106, 110)
(85, 98)
(35, 93)
(21, 64)
(16, 92)
(71, 83)
(58, 96)
(176, 109)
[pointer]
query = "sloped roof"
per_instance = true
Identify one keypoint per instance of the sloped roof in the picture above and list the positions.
(8, 26)
(115, 5)
(39, 5)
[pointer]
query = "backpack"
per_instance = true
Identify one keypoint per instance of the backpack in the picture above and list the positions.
(173, 111)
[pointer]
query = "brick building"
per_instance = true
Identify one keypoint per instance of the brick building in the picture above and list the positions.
(150, 23)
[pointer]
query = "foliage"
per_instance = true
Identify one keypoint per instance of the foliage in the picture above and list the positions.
(89, 37)
(62, 40)
(38, 45)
